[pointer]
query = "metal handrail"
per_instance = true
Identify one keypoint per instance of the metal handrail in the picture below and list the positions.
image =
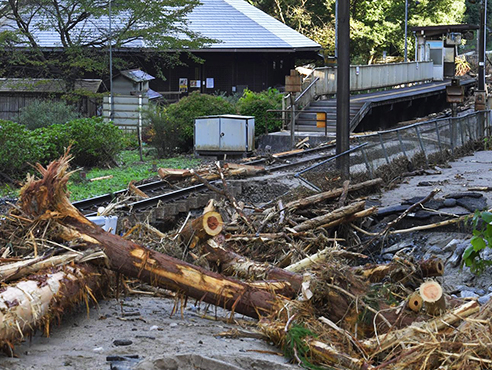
(303, 92)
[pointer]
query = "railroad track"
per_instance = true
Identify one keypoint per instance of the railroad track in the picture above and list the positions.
(164, 202)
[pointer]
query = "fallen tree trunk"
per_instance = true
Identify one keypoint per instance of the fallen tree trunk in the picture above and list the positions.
(33, 302)
(331, 216)
(401, 270)
(158, 269)
(46, 198)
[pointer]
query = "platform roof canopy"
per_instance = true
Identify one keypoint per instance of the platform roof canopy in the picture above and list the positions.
(443, 29)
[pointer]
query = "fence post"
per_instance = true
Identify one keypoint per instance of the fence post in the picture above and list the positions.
(438, 137)
(401, 144)
(140, 127)
(383, 147)
(421, 145)
(368, 166)
(452, 133)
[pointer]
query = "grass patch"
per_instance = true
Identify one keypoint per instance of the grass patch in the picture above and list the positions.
(130, 168)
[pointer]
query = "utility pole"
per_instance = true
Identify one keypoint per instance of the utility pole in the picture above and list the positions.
(111, 96)
(343, 88)
(481, 94)
(481, 46)
(405, 59)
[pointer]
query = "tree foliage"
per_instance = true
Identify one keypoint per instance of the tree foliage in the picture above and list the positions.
(82, 28)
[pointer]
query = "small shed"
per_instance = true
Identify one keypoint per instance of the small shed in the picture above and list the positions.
(134, 82)
(131, 94)
(439, 44)
(17, 93)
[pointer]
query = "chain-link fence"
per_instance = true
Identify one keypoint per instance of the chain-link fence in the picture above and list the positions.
(389, 153)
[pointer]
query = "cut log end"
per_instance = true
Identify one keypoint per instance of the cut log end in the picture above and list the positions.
(430, 291)
(433, 297)
(415, 302)
(432, 267)
(213, 223)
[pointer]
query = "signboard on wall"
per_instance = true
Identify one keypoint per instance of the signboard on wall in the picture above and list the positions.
(183, 85)
(210, 83)
(195, 84)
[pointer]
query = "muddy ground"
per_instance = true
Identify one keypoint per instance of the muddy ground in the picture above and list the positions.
(139, 332)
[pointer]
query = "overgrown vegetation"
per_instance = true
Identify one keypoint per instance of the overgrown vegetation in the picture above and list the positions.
(257, 105)
(93, 142)
(171, 128)
(44, 113)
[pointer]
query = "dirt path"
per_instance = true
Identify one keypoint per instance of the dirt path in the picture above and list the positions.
(159, 340)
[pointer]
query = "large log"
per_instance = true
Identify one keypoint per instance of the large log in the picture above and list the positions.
(33, 302)
(401, 270)
(46, 198)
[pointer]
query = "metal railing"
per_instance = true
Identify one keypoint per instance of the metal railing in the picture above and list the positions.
(287, 119)
(323, 81)
(419, 143)
(374, 76)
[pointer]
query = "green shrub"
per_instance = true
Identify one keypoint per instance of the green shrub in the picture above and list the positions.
(94, 142)
(17, 148)
(44, 113)
(482, 238)
(257, 104)
(183, 113)
(164, 134)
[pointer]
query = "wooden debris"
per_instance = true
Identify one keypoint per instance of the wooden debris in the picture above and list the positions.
(136, 191)
(32, 303)
(359, 317)
(321, 197)
(107, 177)
(397, 337)
(329, 217)
(235, 169)
(232, 264)
(173, 173)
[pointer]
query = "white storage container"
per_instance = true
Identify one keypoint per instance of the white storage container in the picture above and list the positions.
(224, 134)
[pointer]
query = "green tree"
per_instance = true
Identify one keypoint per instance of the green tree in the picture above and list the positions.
(376, 25)
(82, 27)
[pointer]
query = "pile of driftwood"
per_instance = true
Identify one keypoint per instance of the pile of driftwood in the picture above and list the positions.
(284, 265)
